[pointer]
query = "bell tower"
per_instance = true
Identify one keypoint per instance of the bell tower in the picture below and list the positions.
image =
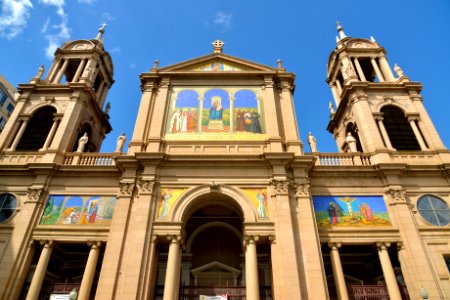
(54, 112)
(376, 110)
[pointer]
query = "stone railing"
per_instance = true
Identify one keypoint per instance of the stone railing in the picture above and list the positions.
(89, 159)
(21, 158)
(342, 159)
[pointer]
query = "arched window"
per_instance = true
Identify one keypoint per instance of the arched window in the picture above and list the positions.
(398, 129)
(434, 210)
(37, 130)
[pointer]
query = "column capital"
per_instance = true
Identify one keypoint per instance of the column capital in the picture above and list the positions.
(281, 187)
(334, 246)
(34, 193)
(382, 246)
(94, 244)
(302, 189)
(175, 238)
(250, 239)
(47, 243)
(400, 246)
(145, 186)
(398, 196)
(126, 188)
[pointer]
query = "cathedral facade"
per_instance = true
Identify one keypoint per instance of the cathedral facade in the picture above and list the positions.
(215, 197)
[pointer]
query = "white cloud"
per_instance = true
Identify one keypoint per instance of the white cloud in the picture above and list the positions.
(14, 17)
(45, 26)
(116, 49)
(62, 33)
(223, 19)
(108, 17)
(90, 2)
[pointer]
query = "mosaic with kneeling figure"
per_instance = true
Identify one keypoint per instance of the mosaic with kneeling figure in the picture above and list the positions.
(78, 210)
(351, 211)
(199, 113)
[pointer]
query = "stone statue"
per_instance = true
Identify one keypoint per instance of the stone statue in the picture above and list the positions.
(331, 107)
(398, 70)
(82, 142)
(40, 72)
(73, 294)
(88, 72)
(107, 108)
(351, 142)
(120, 142)
(312, 142)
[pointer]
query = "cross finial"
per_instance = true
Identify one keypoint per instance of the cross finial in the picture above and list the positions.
(100, 33)
(218, 46)
(340, 30)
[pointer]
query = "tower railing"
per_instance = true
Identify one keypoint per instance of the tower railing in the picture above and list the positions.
(343, 159)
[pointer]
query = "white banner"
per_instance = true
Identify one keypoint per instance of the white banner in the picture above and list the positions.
(222, 297)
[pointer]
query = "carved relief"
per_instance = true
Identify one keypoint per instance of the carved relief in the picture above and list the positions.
(398, 196)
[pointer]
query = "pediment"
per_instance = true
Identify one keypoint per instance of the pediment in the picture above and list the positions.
(217, 62)
(215, 267)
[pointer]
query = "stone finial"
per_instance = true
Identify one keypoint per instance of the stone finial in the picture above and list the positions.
(280, 64)
(331, 107)
(218, 46)
(155, 66)
(372, 39)
(107, 108)
(340, 30)
(100, 33)
(40, 72)
(398, 70)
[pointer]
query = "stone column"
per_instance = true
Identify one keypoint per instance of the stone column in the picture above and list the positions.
(412, 122)
(271, 115)
(386, 69)
(383, 131)
(336, 94)
(19, 134)
(80, 70)
(359, 70)
(61, 71)
(339, 86)
(172, 281)
(377, 69)
(149, 285)
(100, 89)
(155, 131)
(338, 273)
(41, 269)
(388, 272)
(200, 112)
(51, 134)
(232, 98)
(89, 271)
(51, 73)
(311, 254)
(251, 268)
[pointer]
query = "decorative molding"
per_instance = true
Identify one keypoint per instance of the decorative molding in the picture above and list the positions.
(334, 245)
(382, 246)
(250, 239)
(94, 244)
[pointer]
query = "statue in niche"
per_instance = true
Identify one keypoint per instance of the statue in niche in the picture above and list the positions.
(351, 142)
(82, 142)
(312, 142)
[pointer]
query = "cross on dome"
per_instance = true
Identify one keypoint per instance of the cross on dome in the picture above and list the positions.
(218, 46)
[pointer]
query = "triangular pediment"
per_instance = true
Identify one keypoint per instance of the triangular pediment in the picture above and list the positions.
(213, 268)
(217, 62)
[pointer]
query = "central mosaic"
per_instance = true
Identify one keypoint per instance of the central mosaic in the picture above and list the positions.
(215, 113)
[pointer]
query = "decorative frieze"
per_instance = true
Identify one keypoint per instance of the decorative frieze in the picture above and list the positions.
(145, 186)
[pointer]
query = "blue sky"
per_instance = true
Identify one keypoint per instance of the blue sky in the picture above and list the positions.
(301, 33)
